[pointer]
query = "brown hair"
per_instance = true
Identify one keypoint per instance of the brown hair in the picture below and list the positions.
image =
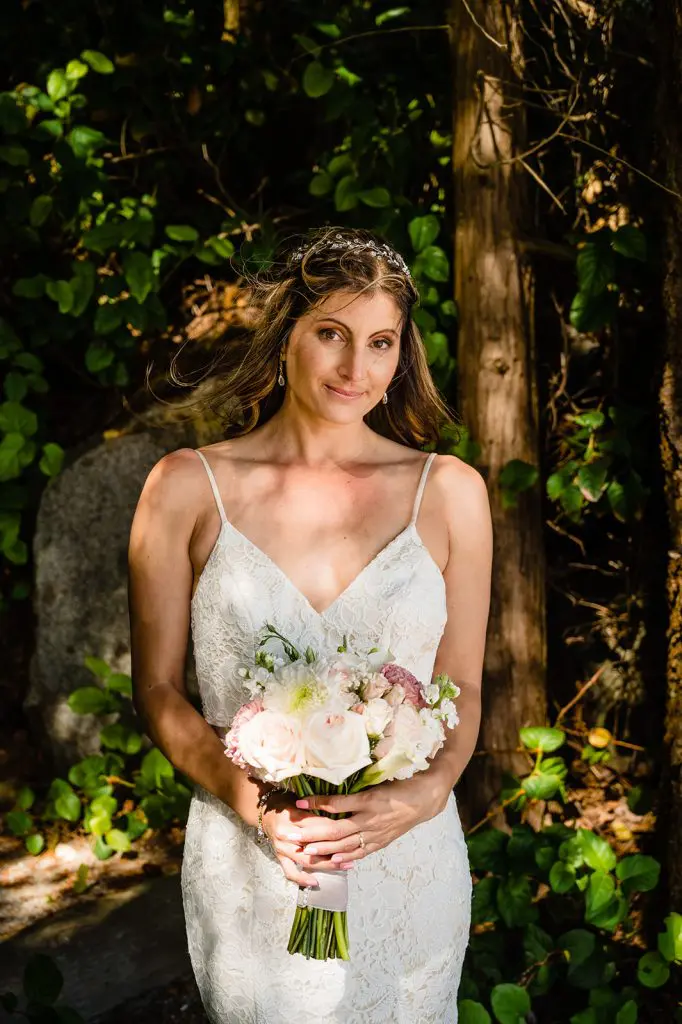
(301, 275)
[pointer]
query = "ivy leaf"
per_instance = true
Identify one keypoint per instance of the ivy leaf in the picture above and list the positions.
(638, 873)
(346, 193)
(58, 85)
(631, 242)
(652, 970)
(16, 419)
(117, 840)
(35, 843)
(510, 1003)
(41, 207)
(627, 1013)
(595, 268)
(376, 197)
(139, 273)
(542, 738)
(52, 459)
(14, 155)
(423, 231)
(596, 851)
(317, 79)
(562, 877)
(487, 850)
(155, 767)
(85, 140)
(670, 941)
(578, 945)
(62, 294)
(90, 700)
(182, 233)
(592, 478)
(321, 184)
(30, 287)
(98, 356)
(98, 62)
(19, 822)
(471, 1012)
(434, 264)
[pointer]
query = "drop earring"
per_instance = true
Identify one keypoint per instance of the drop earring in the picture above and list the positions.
(385, 398)
(280, 379)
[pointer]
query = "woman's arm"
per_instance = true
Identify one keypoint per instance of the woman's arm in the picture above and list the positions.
(468, 584)
(160, 590)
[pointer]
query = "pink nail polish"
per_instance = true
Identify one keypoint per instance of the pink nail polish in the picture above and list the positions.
(302, 803)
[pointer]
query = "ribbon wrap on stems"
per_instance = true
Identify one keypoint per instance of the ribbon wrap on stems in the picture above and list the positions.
(331, 895)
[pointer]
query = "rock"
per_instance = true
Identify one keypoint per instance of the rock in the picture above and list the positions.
(80, 599)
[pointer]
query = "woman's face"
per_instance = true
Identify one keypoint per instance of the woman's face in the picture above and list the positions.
(341, 356)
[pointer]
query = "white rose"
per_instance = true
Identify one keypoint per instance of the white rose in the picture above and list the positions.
(272, 744)
(376, 715)
(336, 745)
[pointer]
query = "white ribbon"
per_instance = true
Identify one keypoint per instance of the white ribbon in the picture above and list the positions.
(331, 895)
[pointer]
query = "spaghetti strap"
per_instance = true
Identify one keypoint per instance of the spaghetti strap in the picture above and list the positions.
(214, 485)
(420, 488)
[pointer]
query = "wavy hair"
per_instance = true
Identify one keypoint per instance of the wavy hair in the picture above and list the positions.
(245, 390)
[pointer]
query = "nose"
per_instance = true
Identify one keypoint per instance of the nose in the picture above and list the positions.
(353, 366)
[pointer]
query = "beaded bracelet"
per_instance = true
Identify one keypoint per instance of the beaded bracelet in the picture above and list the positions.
(261, 834)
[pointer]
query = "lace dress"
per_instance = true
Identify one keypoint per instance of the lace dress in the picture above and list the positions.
(410, 903)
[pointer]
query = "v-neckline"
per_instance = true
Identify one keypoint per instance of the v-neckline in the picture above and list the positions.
(227, 525)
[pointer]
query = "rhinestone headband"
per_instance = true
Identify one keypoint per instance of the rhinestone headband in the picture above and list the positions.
(339, 242)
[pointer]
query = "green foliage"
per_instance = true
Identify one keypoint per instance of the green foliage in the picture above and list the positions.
(97, 787)
(42, 985)
(108, 214)
(551, 914)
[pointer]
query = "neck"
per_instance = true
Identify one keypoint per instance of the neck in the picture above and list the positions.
(299, 439)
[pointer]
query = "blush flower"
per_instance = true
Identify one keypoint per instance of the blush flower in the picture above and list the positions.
(244, 715)
(399, 676)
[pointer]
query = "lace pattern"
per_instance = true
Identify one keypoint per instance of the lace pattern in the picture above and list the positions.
(409, 904)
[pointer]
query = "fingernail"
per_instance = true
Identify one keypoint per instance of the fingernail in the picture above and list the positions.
(315, 884)
(336, 857)
(294, 836)
(348, 866)
(302, 803)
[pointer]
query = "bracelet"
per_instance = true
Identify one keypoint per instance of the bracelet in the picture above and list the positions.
(261, 834)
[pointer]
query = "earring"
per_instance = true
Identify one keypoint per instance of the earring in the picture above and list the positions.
(280, 379)
(385, 398)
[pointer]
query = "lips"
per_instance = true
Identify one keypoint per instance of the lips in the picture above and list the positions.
(343, 393)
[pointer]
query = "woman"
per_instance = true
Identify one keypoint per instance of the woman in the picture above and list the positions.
(320, 514)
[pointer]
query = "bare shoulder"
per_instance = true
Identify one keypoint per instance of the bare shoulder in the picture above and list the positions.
(174, 486)
(462, 494)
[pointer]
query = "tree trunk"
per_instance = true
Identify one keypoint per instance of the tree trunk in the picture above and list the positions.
(670, 148)
(497, 390)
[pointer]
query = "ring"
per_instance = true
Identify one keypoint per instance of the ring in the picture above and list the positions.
(362, 841)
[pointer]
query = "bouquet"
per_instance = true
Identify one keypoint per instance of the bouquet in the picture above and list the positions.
(335, 724)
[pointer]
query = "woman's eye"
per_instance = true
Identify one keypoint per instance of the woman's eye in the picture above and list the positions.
(384, 341)
(327, 331)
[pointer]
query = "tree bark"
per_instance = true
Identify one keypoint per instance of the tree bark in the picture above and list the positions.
(670, 149)
(497, 389)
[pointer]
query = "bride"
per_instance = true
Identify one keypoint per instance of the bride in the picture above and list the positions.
(321, 513)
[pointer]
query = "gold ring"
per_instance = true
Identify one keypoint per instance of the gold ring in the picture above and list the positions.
(362, 841)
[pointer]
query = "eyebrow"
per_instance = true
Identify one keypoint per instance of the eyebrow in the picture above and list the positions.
(384, 330)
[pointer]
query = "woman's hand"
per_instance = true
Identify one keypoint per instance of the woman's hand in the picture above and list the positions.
(281, 824)
(381, 813)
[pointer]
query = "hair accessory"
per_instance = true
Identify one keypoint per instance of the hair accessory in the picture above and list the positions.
(339, 242)
(385, 398)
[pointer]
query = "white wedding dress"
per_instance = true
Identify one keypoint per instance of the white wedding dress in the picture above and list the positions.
(410, 903)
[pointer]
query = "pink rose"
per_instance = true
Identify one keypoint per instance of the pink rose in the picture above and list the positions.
(245, 714)
(399, 676)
